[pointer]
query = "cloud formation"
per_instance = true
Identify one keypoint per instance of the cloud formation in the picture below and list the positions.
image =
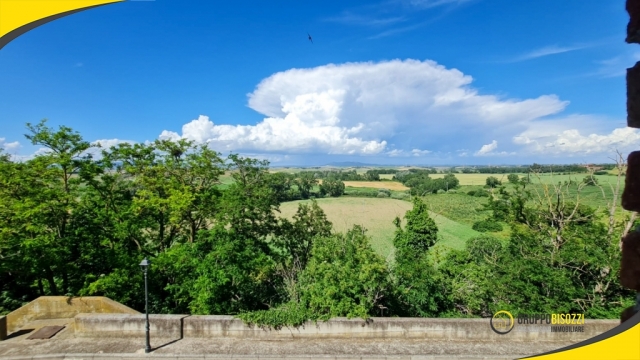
(349, 18)
(485, 149)
(572, 142)
(9, 146)
(428, 4)
(397, 108)
(548, 50)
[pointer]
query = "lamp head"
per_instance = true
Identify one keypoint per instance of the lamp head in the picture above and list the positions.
(144, 264)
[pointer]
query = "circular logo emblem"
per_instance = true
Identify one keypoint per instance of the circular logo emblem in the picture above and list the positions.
(502, 322)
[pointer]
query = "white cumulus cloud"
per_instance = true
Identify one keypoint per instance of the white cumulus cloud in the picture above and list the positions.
(360, 108)
(572, 142)
(486, 149)
(9, 146)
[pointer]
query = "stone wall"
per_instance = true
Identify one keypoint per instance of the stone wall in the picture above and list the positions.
(127, 325)
(183, 326)
(62, 307)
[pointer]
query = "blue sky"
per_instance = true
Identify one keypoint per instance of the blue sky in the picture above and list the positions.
(385, 82)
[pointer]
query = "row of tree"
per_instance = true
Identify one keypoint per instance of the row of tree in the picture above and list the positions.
(419, 182)
(348, 175)
(535, 168)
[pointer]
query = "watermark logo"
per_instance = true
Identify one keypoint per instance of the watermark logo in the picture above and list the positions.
(502, 322)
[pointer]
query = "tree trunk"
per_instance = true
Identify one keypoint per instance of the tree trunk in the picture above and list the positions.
(52, 283)
(40, 287)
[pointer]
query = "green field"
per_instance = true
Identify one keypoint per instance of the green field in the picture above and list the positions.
(376, 215)
(454, 213)
(480, 179)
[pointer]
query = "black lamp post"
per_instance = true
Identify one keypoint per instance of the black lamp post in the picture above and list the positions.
(144, 265)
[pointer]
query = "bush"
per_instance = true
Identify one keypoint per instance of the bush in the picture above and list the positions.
(487, 226)
(385, 191)
(382, 195)
(399, 196)
(493, 181)
(481, 193)
(601, 172)
(513, 178)
(332, 187)
(452, 191)
(471, 193)
(342, 273)
(590, 181)
(440, 191)
(363, 193)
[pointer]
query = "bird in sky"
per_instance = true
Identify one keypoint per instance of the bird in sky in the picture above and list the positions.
(310, 38)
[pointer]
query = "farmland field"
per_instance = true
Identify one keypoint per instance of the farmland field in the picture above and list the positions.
(391, 185)
(376, 215)
(480, 179)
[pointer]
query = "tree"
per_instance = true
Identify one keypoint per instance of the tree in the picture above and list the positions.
(305, 183)
(249, 203)
(294, 242)
(417, 287)
(282, 183)
(233, 275)
(492, 182)
(513, 178)
(344, 277)
(332, 187)
(451, 182)
(420, 233)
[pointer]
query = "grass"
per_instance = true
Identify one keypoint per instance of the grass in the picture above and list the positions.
(458, 207)
(376, 215)
(480, 179)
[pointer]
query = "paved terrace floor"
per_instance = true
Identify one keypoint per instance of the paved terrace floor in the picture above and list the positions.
(65, 345)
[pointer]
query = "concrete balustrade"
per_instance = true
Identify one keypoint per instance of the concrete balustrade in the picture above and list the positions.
(182, 326)
(62, 307)
(127, 325)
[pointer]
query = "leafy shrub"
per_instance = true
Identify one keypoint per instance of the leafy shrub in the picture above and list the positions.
(332, 187)
(481, 193)
(399, 196)
(452, 191)
(471, 193)
(493, 181)
(590, 181)
(487, 226)
(601, 172)
(440, 191)
(363, 193)
(382, 195)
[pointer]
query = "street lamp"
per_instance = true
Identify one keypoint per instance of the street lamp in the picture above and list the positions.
(144, 265)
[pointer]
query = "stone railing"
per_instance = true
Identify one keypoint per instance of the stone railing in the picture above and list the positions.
(59, 307)
(184, 326)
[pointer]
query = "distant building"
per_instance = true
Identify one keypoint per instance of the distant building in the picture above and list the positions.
(591, 167)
